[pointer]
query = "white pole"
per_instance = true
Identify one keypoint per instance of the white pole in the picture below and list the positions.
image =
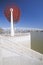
(12, 28)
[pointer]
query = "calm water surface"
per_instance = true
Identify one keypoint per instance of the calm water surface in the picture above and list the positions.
(37, 41)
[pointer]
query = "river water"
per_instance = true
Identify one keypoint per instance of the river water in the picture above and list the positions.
(37, 41)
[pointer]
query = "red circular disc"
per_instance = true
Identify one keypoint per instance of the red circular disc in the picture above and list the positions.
(16, 13)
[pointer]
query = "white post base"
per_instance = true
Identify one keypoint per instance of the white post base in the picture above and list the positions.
(12, 32)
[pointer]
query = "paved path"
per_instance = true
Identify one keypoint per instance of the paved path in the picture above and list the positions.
(15, 51)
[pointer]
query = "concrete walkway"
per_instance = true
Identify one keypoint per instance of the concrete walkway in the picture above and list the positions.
(16, 51)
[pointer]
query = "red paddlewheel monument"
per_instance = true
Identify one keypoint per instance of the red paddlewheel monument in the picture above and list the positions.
(12, 13)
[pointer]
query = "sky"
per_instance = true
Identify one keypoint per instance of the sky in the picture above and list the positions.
(31, 13)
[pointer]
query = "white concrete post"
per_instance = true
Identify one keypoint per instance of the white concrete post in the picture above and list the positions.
(12, 28)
